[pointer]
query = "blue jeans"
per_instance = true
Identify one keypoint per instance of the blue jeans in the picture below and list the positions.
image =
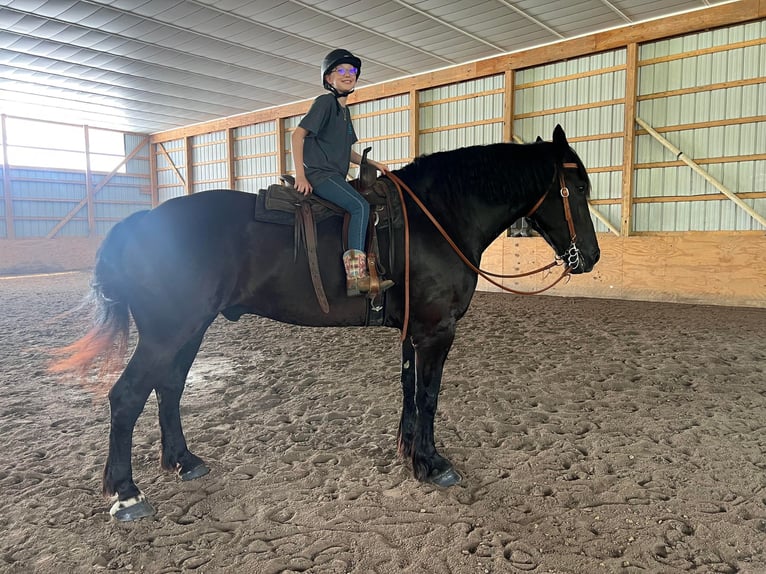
(336, 190)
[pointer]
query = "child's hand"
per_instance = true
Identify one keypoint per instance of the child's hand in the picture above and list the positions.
(381, 167)
(303, 186)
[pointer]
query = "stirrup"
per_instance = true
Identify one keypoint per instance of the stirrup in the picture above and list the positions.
(353, 287)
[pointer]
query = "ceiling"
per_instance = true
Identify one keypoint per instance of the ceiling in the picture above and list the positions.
(151, 65)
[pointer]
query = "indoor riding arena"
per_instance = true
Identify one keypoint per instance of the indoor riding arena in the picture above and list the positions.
(612, 423)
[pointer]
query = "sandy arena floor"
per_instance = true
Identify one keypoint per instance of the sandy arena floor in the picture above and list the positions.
(594, 436)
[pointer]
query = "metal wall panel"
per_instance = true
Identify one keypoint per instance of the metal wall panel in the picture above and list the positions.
(290, 124)
(3, 223)
(42, 198)
(168, 184)
(255, 156)
(586, 97)
(384, 125)
(462, 114)
(209, 163)
(686, 83)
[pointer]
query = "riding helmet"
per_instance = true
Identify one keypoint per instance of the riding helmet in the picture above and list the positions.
(335, 58)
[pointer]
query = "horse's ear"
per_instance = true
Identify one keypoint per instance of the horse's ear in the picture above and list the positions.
(560, 140)
(559, 136)
(539, 139)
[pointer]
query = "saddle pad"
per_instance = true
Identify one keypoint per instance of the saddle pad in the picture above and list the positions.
(278, 204)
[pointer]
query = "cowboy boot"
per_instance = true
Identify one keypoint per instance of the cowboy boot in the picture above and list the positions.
(357, 277)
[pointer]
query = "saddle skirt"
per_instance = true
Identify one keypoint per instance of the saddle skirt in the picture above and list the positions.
(279, 204)
(283, 205)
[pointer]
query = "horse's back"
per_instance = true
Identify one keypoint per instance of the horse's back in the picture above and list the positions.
(207, 252)
(185, 250)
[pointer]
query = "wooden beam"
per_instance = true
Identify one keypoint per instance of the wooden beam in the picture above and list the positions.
(509, 105)
(69, 216)
(602, 218)
(569, 77)
(709, 178)
(712, 17)
(89, 183)
(677, 25)
(155, 190)
(710, 124)
(188, 158)
(629, 139)
(702, 161)
(172, 165)
(702, 52)
(575, 108)
(704, 88)
(698, 197)
(414, 124)
(460, 126)
(470, 96)
(236, 121)
(230, 165)
(281, 147)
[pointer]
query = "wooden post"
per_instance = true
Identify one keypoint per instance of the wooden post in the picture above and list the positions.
(10, 232)
(281, 146)
(629, 138)
(72, 212)
(508, 106)
(169, 159)
(230, 165)
(414, 125)
(154, 183)
(89, 185)
(188, 187)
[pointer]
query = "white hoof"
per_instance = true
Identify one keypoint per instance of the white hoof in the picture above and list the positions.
(131, 508)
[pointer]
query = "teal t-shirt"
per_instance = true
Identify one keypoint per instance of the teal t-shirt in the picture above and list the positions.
(327, 147)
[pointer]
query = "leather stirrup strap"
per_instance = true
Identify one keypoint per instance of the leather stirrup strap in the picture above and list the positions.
(310, 234)
(372, 257)
(372, 270)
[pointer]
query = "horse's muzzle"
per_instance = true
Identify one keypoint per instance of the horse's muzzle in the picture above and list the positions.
(577, 262)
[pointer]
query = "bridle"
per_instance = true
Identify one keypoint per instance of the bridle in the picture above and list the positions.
(570, 260)
(571, 257)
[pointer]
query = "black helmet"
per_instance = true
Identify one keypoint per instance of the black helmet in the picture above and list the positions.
(335, 58)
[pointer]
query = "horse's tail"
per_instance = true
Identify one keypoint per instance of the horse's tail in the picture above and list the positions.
(108, 338)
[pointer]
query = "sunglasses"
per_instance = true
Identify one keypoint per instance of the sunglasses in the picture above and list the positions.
(349, 71)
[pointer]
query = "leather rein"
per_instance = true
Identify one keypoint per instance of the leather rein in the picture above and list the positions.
(570, 260)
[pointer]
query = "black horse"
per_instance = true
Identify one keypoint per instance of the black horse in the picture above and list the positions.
(176, 267)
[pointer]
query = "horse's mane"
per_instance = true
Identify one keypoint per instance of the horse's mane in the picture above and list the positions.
(453, 173)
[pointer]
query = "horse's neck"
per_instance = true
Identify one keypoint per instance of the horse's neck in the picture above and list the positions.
(504, 201)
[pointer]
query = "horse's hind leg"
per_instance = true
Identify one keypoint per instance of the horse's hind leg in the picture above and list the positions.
(406, 434)
(127, 400)
(175, 453)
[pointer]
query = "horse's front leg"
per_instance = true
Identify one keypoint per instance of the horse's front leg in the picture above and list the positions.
(406, 434)
(176, 456)
(427, 464)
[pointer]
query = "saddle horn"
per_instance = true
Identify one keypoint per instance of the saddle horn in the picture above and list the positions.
(367, 174)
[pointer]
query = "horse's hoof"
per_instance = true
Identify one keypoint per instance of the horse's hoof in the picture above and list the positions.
(131, 509)
(449, 477)
(196, 472)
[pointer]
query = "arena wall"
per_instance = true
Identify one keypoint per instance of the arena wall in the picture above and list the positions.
(664, 114)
